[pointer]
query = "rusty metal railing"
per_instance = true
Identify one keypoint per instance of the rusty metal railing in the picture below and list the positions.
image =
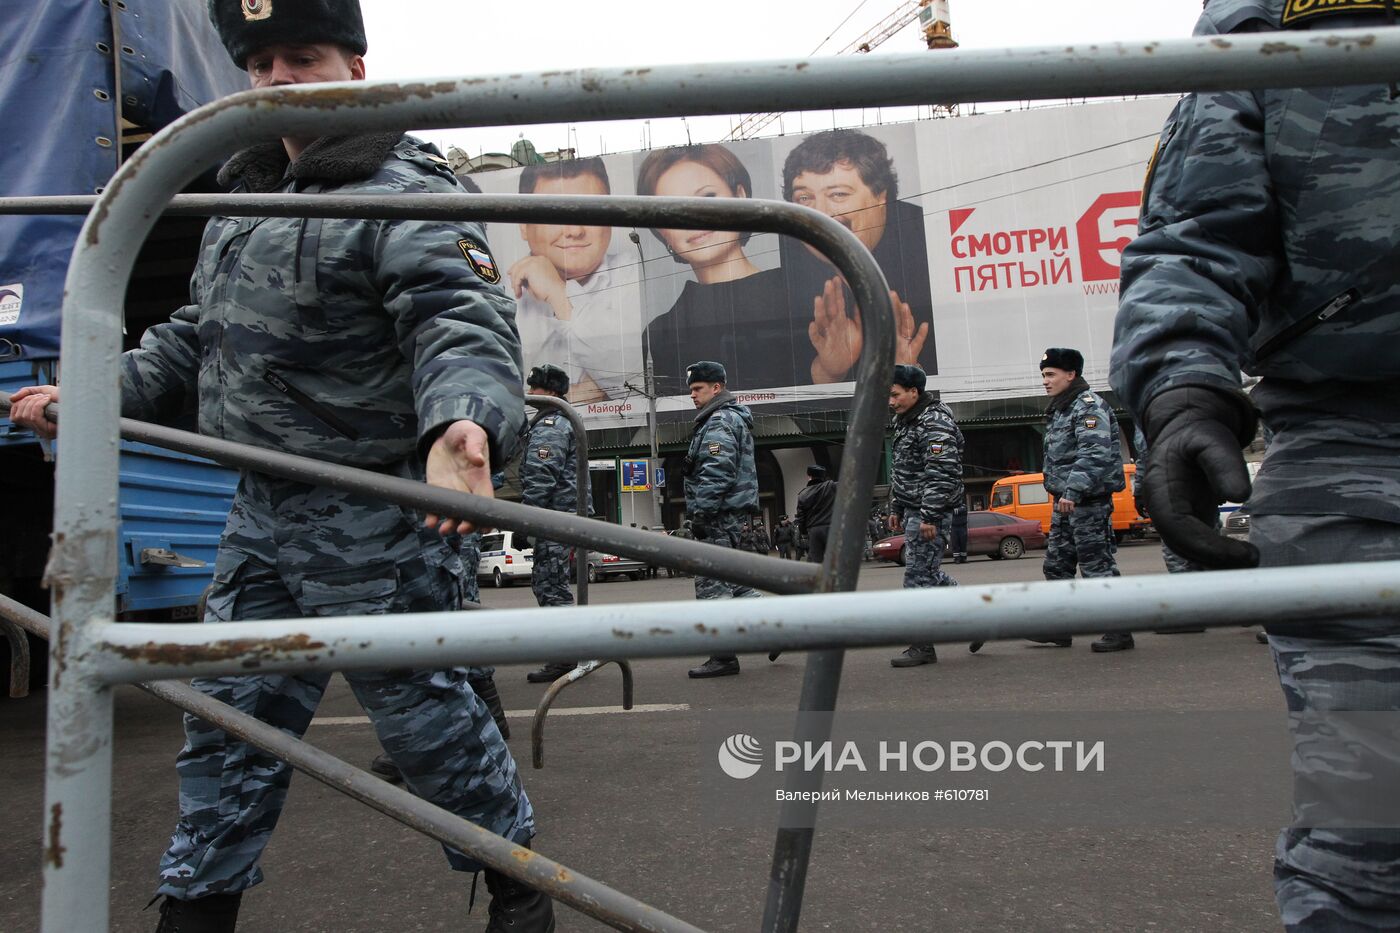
(90, 652)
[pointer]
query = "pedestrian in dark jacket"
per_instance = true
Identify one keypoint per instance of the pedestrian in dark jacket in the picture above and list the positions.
(814, 506)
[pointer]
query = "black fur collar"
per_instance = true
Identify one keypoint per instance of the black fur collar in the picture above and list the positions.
(331, 158)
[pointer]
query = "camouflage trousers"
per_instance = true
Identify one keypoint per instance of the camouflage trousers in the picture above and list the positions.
(923, 560)
(549, 580)
(1334, 879)
(1081, 540)
(292, 550)
(723, 532)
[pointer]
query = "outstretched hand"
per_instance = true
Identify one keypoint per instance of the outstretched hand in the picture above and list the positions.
(836, 337)
(459, 460)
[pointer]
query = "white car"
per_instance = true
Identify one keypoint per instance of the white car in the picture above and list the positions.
(501, 561)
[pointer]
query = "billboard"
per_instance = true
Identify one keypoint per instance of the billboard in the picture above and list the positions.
(998, 234)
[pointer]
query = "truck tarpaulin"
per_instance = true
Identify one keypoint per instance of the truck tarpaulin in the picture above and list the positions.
(58, 91)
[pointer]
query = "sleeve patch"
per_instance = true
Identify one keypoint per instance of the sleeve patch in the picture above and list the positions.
(935, 449)
(1091, 422)
(543, 453)
(480, 260)
(714, 448)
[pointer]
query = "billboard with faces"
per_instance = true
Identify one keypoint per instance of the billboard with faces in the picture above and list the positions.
(998, 235)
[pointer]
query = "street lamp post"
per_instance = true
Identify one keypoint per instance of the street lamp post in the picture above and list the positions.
(649, 384)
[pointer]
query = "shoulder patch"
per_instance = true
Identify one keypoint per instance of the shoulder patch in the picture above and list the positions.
(1087, 397)
(1091, 422)
(550, 420)
(935, 449)
(543, 453)
(479, 258)
(715, 448)
(1297, 11)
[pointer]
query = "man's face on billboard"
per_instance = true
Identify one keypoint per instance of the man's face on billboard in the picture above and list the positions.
(842, 195)
(574, 250)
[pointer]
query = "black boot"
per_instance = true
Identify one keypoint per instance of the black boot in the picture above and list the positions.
(485, 687)
(915, 655)
(516, 908)
(550, 672)
(1114, 641)
(214, 913)
(716, 667)
(384, 766)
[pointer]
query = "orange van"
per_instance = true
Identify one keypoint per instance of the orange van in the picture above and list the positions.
(1023, 495)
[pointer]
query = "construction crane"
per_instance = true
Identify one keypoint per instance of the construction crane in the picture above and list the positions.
(937, 31)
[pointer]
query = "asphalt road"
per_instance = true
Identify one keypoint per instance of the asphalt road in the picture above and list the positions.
(621, 799)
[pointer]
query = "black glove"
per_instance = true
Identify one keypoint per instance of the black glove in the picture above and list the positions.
(1194, 462)
(699, 529)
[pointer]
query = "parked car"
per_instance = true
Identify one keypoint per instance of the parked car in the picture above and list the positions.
(604, 566)
(1023, 495)
(502, 562)
(991, 533)
(1237, 524)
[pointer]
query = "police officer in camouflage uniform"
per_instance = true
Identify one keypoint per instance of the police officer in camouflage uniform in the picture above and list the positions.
(721, 485)
(1267, 243)
(1083, 469)
(926, 484)
(386, 345)
(549, 480)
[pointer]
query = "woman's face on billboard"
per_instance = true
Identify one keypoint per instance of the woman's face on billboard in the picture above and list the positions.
(694, 180)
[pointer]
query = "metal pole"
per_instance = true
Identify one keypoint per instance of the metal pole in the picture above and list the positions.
(129, 651)
(649, 383)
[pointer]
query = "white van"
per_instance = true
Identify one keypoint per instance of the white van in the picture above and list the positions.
(501, 561)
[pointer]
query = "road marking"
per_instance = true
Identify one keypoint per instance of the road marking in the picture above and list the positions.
(529, 713)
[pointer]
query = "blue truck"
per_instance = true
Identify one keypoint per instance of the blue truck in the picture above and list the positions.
(82, 85)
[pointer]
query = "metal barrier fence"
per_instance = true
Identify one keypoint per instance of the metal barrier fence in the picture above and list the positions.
(90, 652)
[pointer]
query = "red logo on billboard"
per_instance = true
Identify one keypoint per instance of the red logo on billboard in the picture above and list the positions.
(1103, 230)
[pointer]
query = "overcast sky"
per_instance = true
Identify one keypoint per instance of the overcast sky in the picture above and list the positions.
(435, 38)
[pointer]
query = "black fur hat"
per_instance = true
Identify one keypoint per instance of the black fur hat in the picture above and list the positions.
(1063, 358)
(910, 377)
(244, 26)
(705, 371)
(550, 378)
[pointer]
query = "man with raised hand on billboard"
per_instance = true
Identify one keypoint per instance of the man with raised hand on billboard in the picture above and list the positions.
(850, 177)
(569, 291)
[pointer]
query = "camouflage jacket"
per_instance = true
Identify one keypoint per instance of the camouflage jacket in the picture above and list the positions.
(719, 470)
(354, 341)
(926, 475)
(549, 472)
(1267, 243)
(1083, 458)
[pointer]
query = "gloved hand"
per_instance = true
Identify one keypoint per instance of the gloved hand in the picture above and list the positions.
(1195, 436)
(699, 528)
